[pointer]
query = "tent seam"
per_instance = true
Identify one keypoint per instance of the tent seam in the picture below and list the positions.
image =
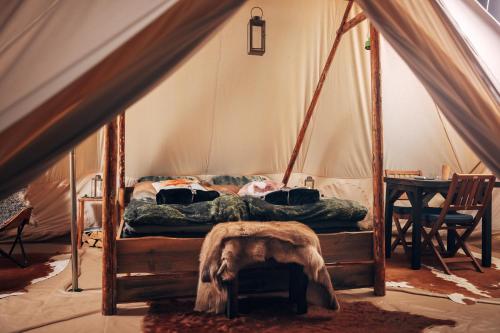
(448, 137)
(214, 106)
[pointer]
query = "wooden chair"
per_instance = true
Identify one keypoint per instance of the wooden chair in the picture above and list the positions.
(466, 192)
(17, 221)
(402, 212)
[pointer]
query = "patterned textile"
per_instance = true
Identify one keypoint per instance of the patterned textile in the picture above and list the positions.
(12, 205)
(235, 180)
(145, 217)
(224, 208)
(161, 178)
(259, 188)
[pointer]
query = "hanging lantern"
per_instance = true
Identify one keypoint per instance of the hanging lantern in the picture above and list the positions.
(309, 182)
(256, 33)
(367, 44)
(96, 187)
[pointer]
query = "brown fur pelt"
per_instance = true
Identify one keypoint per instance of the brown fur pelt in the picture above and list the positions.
(232, 246)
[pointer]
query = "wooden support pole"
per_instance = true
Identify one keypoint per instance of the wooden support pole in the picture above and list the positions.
(353, 22)
(109, 220)
(121, 163)
(314, 100)
(377, 165)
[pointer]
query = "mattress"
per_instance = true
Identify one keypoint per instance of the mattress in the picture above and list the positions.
(143, 217)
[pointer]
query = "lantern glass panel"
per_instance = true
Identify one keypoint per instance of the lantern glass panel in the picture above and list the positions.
(99, 186)
(256, 37)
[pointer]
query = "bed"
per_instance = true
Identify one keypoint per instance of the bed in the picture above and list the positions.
(157, 246)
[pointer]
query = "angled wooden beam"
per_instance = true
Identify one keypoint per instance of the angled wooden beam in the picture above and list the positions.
(109, 213)
(353, 22)
(377, 165)
(314, 101)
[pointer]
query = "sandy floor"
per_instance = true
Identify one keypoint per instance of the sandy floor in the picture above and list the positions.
(48, 308)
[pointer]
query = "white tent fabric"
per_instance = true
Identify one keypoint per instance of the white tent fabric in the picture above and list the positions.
(429, 41)
(59, 26)
(226, 112)
(74, 65)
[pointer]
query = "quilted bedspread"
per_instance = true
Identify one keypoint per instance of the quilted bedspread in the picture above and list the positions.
(146, 217)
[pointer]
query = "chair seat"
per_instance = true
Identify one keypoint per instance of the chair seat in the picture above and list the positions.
(403, 210)
(454, 218)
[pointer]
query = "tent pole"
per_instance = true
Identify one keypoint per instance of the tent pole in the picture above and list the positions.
(109, 220)
(377, 165)
(353, 22)
(74, 245)
(317, 92)
(121, 164)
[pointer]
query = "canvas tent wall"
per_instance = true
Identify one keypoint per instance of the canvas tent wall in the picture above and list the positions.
(226, 112)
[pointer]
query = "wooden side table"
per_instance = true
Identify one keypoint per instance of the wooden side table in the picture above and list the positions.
(81, 216)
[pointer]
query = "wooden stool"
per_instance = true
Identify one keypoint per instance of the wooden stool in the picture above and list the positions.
(298, 282)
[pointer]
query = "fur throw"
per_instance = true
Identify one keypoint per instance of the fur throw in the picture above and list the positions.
(230, 247)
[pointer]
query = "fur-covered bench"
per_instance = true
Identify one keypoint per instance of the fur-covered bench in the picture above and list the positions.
(232, 249)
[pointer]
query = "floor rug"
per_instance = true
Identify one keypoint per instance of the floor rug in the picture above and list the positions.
(465, 280)
(14, 279)
(274, 314)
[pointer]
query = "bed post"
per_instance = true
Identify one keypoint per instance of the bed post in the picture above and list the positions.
(121, 164)
(377, 165)
(109, 220)
(317, 92)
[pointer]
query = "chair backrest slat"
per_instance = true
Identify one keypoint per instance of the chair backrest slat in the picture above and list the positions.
(402, 174)
(469, 192)
(473, 192)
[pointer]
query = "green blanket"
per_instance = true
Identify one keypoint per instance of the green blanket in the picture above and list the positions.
(145, 217)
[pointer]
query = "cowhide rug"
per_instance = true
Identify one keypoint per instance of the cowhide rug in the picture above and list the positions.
(465, 285)
(14, 280)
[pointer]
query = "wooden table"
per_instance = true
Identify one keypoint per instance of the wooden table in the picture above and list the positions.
(81, 216)
(420, 192)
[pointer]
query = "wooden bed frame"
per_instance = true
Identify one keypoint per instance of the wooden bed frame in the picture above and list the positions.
(146, 268)
(157, 267)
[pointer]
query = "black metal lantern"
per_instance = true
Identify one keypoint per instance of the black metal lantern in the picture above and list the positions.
(96, 187)
(256, 33)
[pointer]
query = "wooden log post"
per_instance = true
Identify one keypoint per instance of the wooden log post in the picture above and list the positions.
(377, 165)
(314, 100)
(121, 163)
(109, 212)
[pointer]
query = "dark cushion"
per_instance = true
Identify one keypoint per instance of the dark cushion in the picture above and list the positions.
(184, 196)
(452, 218)
(292, 197)
(407, 210)
(401, 210)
